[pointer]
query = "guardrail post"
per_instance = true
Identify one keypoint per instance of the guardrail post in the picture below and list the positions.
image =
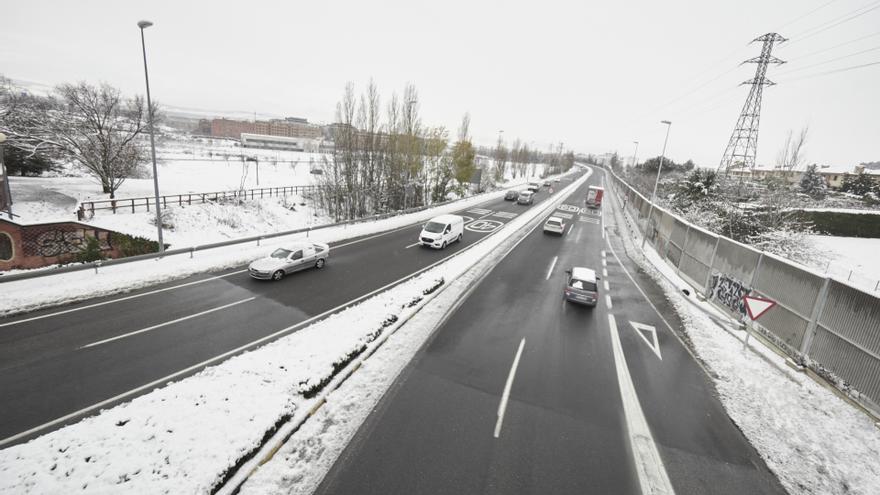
(132, 205)
(814, 318)
(191, 251)
(97, 265)
(258, 240)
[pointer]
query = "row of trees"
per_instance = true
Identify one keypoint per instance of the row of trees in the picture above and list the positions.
(94, 127)
(385, 158)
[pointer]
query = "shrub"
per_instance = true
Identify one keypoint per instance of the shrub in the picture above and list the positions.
(133, 246)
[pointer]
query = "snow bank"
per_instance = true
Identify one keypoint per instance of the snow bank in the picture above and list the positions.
(813, 441)
(183, 437)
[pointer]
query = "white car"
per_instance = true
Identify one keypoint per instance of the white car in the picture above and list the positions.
(288, 259)
(554, 225)
(441, 231)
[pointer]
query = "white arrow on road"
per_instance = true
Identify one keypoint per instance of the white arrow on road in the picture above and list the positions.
(641, 329)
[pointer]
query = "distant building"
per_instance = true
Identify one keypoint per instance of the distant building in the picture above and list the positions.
(280, 142)
(833, 175)
(292, 127)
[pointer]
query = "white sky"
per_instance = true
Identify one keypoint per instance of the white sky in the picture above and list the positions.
(594, 75)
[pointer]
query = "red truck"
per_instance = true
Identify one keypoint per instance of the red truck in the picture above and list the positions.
(594, 196)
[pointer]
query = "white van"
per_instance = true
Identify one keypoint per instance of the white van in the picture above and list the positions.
(441, 231)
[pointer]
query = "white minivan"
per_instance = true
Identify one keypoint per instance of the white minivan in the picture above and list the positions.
(441, 231)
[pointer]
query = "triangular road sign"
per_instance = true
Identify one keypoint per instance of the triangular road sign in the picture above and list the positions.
(757, 306)
(644, 331)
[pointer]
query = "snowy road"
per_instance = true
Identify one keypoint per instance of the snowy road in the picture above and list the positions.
(519, 392)
(59, 364)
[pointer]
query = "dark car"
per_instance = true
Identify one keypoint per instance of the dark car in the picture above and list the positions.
(582, 286)
(511, 195)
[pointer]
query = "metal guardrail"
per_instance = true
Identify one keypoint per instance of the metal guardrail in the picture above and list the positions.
(94, 265)
(826, 324)
(130, 205)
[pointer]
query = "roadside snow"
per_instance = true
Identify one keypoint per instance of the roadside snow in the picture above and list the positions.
(853, 258)
(813, 441)
(168, 442)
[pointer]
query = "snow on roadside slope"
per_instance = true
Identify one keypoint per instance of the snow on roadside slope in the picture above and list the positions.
(168, 441)
(811, 439)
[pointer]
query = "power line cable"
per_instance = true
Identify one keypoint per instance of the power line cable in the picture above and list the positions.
(821, 28)
(798, 69)
(833, 71)
(789, 23)
(833, 47)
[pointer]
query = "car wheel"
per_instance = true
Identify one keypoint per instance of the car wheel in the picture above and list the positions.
(320, 263)
(443, 246)
(278, 275)
(459, 238)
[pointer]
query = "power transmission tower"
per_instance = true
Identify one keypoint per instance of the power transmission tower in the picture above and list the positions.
(743, 145)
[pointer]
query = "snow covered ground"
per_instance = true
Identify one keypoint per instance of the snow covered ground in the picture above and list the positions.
(852, 258)
(167, 441)
(814, 441)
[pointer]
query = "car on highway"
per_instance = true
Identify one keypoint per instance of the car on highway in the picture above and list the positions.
(581, 286)
(554, 225)
(547, 183)
(441, 231)
(534, 187)
(290, 258)
(525, 198)
(511, 195)
(557, 180)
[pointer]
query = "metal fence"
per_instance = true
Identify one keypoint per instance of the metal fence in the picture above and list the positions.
(827, 324)
(87, 209)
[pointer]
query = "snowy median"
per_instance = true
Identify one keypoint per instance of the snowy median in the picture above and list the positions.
(191, 435)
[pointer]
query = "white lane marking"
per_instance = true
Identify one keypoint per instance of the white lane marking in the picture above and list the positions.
(504, 214)
(502, 407)
(479, 211)
(604, 262)
(605, 282)
(104, 303)
(412, 245)
(648, 300)
(566, 216)
(649, 465)
(640, 329)
(588, 220)
(604, 272)
(603, 253)
(608, 301)
(160, 325)
(220, 357)
(570, 227)
(550, 270)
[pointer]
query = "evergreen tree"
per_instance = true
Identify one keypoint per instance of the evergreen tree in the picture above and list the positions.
(813, 184)
(859, 184)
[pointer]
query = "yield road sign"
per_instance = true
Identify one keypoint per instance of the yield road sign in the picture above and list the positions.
(757, 306)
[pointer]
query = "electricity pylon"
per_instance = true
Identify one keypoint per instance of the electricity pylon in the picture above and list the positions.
(743, 145)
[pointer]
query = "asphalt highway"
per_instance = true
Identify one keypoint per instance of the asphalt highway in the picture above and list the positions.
(60, 364)
(521, 392)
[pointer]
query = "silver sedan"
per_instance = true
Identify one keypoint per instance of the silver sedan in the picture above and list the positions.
(290, 258)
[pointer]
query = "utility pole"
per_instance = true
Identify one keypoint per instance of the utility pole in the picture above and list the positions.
(635, 154)
(143, 25)
(656, 182)
(743, 145)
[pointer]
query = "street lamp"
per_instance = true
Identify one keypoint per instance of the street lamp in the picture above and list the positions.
(635, 154)
(656, 181)
(143, 25)
(5, 185)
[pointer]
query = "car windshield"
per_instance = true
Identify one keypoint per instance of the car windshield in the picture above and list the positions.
(434, 227)
(553, 222)
(281, 254)
(582, 285)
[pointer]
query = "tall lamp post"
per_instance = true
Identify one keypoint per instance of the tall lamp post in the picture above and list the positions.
(656, 181)
(7, 193)
(143, 25)
(636, 154)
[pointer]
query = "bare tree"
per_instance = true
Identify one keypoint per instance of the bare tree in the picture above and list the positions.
(99, 129)
(791, 156)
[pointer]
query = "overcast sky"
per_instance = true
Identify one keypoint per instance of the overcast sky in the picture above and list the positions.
(594, 75)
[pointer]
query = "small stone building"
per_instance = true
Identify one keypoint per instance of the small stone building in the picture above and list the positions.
(25, 246)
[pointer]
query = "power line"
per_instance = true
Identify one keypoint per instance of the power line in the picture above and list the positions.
(854, 14)
(798, 69)
(835, 46)
(805, 15)
(834, 71)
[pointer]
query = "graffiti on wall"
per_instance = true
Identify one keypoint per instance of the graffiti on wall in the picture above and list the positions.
(729, 292)
(51, 241)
